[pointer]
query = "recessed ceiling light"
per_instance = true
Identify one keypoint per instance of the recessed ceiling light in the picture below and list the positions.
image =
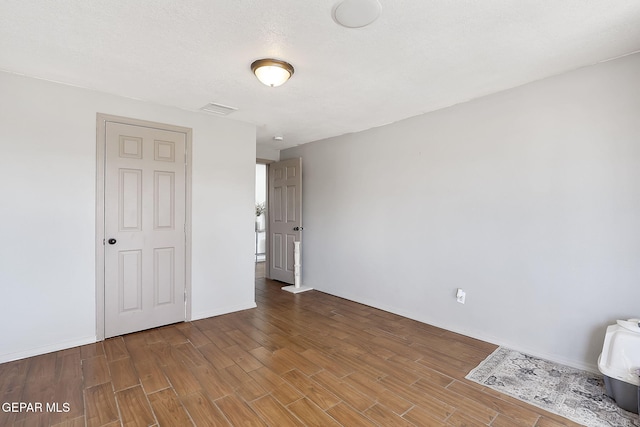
(356, 13)
(278, 138)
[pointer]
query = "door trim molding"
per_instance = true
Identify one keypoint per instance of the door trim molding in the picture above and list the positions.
(267, 247)
(101, 125)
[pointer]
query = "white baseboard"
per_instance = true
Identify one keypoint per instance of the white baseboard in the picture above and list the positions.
(490, 339)
(222, 310)
(36, 351)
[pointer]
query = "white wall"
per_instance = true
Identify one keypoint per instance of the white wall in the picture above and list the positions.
(267, 153)
(47, 186)
(528, 199)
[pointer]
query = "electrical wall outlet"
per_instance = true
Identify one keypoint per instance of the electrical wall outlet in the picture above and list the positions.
(460, 296)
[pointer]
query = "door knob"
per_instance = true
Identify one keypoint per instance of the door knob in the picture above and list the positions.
(298, 228)
(112, 241)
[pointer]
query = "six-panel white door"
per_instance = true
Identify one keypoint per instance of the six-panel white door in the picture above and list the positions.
(144, 228)
(285, 216)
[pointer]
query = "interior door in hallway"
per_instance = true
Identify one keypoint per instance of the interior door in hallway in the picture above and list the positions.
(144, 228)
(285, 217)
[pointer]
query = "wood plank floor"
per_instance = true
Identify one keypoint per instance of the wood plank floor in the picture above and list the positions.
(297, 360)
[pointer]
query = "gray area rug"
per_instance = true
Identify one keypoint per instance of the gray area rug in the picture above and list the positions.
(571, 393)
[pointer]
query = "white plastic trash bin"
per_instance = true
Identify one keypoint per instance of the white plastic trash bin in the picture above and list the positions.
(619, 362)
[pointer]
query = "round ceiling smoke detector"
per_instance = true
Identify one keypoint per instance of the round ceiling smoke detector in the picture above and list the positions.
(356, 13)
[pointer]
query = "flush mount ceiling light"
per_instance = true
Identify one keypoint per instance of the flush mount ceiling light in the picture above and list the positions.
(356, 13)
(272, 72)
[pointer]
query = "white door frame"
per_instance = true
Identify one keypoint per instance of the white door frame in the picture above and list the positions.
(101, 122)
(267, 251)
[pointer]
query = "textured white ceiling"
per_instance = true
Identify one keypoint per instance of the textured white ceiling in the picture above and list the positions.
(419, 55)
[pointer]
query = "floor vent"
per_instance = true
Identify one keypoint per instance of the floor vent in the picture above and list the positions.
(219, 109)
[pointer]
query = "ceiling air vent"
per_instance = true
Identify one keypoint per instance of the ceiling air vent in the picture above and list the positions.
(219, 109)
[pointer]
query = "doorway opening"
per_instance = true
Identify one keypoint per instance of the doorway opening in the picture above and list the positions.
(261, 220)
